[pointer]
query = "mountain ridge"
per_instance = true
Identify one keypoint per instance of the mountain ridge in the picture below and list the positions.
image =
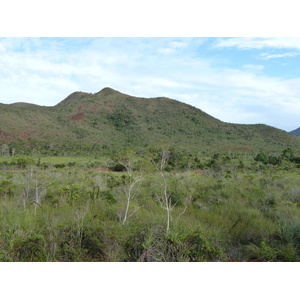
(110, 120)
(296, 131)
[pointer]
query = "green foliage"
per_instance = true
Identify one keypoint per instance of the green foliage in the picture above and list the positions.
(21, 161)
(263, 252)
(30, 247)
(288, 153)
(92, 244)
(5, 256)
(107, 122)
(59, 166)
(118, 168)
(6, 187)
(262, 157)
(121, 118)
(107, 196)
(223, 212)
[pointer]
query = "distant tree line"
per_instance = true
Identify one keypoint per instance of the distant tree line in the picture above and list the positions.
(286, 155)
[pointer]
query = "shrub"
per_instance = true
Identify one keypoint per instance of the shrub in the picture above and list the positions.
(92, 244)
(30, 248)
(107, 196)
(263, 252)
(59, 166)
(6, 188)
(5, 256)
(118, 168)
(135, 237)
(288, 154)
(21, 161)
(262, 157)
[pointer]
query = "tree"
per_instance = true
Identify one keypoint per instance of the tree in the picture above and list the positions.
(165, 200)
(126, 160)
(288, 154)
(36, 193)
(262, 157)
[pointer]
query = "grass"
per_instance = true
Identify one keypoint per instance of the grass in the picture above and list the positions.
(74, 213)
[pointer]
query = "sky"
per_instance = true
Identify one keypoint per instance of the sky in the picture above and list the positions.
(238, 80)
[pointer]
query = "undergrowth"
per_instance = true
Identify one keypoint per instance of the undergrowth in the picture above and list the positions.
(230, 211)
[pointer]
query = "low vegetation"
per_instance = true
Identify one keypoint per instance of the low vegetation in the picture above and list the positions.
(164, 205)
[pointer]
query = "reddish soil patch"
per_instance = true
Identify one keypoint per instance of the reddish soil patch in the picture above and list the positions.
(77, 117)
(100, 107)
(198, 171)
(108, 106)
(4, 133)
(96, 108)
(79, 108)
(27, 134)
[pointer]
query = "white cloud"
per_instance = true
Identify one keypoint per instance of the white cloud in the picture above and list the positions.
(259, 43)
(173, 46)
(280, 55)
(166, 50)
(254, 67)
(178, 44)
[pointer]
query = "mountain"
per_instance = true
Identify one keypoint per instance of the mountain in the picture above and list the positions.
(296, 131)
(109, 120)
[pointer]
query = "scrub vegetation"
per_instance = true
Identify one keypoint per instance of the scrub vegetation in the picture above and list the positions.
(109, 121)
(161, 206)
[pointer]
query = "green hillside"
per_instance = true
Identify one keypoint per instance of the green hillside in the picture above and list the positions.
(109, 120)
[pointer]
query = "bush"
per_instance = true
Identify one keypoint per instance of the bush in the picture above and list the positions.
(5, 256)
(107, 196)
(21, 161)
(262, 157)
(118, 168)
(30, 248)
(92, 245)
(263, 252)
(135, 237)
(59, 166)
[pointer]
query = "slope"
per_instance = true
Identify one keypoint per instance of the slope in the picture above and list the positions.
(296, 131)
(109, 121)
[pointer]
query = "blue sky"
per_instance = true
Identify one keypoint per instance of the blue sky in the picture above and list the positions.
(238, 80)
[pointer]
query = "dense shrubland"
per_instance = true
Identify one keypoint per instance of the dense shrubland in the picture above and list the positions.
(220, 207)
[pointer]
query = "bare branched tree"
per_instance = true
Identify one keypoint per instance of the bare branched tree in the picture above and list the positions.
(187, 201)
(165, 201)
(133, 179)
(80, 216)
(36, 193)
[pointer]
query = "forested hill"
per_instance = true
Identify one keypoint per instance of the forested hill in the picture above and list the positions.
(109, 121)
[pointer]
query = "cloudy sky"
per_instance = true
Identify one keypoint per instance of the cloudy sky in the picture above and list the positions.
(238, 80)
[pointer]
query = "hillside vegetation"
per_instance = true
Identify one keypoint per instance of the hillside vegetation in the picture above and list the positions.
(111, 121)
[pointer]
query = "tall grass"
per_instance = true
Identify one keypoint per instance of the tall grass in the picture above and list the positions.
(231, 213)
